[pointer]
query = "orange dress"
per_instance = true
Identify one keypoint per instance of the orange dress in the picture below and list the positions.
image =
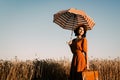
(78, 48)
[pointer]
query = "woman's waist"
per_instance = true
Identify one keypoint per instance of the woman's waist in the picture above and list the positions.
(78, 51)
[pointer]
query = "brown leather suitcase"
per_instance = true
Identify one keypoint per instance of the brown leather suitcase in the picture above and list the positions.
(90, 75)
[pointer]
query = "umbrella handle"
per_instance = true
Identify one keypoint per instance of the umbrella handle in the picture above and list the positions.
(70, 37)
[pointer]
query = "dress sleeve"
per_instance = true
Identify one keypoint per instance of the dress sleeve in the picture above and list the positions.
(85, 45)
(72, 46)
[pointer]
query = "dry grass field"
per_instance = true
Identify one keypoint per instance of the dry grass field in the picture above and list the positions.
(50, 69)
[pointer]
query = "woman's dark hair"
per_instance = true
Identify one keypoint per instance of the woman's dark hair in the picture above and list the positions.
(76, 31)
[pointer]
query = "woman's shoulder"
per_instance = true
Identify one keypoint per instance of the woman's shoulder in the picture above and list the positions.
(85, 39)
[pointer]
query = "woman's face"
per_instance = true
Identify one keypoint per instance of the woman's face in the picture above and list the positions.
(81, 31)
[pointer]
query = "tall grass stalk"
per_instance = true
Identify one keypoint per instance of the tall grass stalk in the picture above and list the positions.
(51, 69)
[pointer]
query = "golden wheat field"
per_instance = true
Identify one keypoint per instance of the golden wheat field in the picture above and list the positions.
(51, 69)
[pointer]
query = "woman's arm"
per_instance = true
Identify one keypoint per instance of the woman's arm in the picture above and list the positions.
(85, 50)
(70, 43)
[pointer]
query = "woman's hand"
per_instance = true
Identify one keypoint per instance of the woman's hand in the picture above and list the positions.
(69, 42)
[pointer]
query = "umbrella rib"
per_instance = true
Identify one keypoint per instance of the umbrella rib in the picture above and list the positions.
(71, 17)
(65, 19)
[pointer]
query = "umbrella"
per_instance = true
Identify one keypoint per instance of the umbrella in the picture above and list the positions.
(71, 18)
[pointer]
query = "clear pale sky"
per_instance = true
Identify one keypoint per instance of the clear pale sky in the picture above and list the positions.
(28, 32)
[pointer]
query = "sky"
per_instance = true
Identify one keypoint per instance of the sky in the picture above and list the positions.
(28, 32)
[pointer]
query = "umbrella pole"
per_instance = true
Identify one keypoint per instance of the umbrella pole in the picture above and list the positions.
(71, 35)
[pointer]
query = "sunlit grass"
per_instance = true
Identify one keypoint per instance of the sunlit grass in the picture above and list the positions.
(51, 69)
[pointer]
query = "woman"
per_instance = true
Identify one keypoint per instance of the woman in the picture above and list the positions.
(78, 47)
